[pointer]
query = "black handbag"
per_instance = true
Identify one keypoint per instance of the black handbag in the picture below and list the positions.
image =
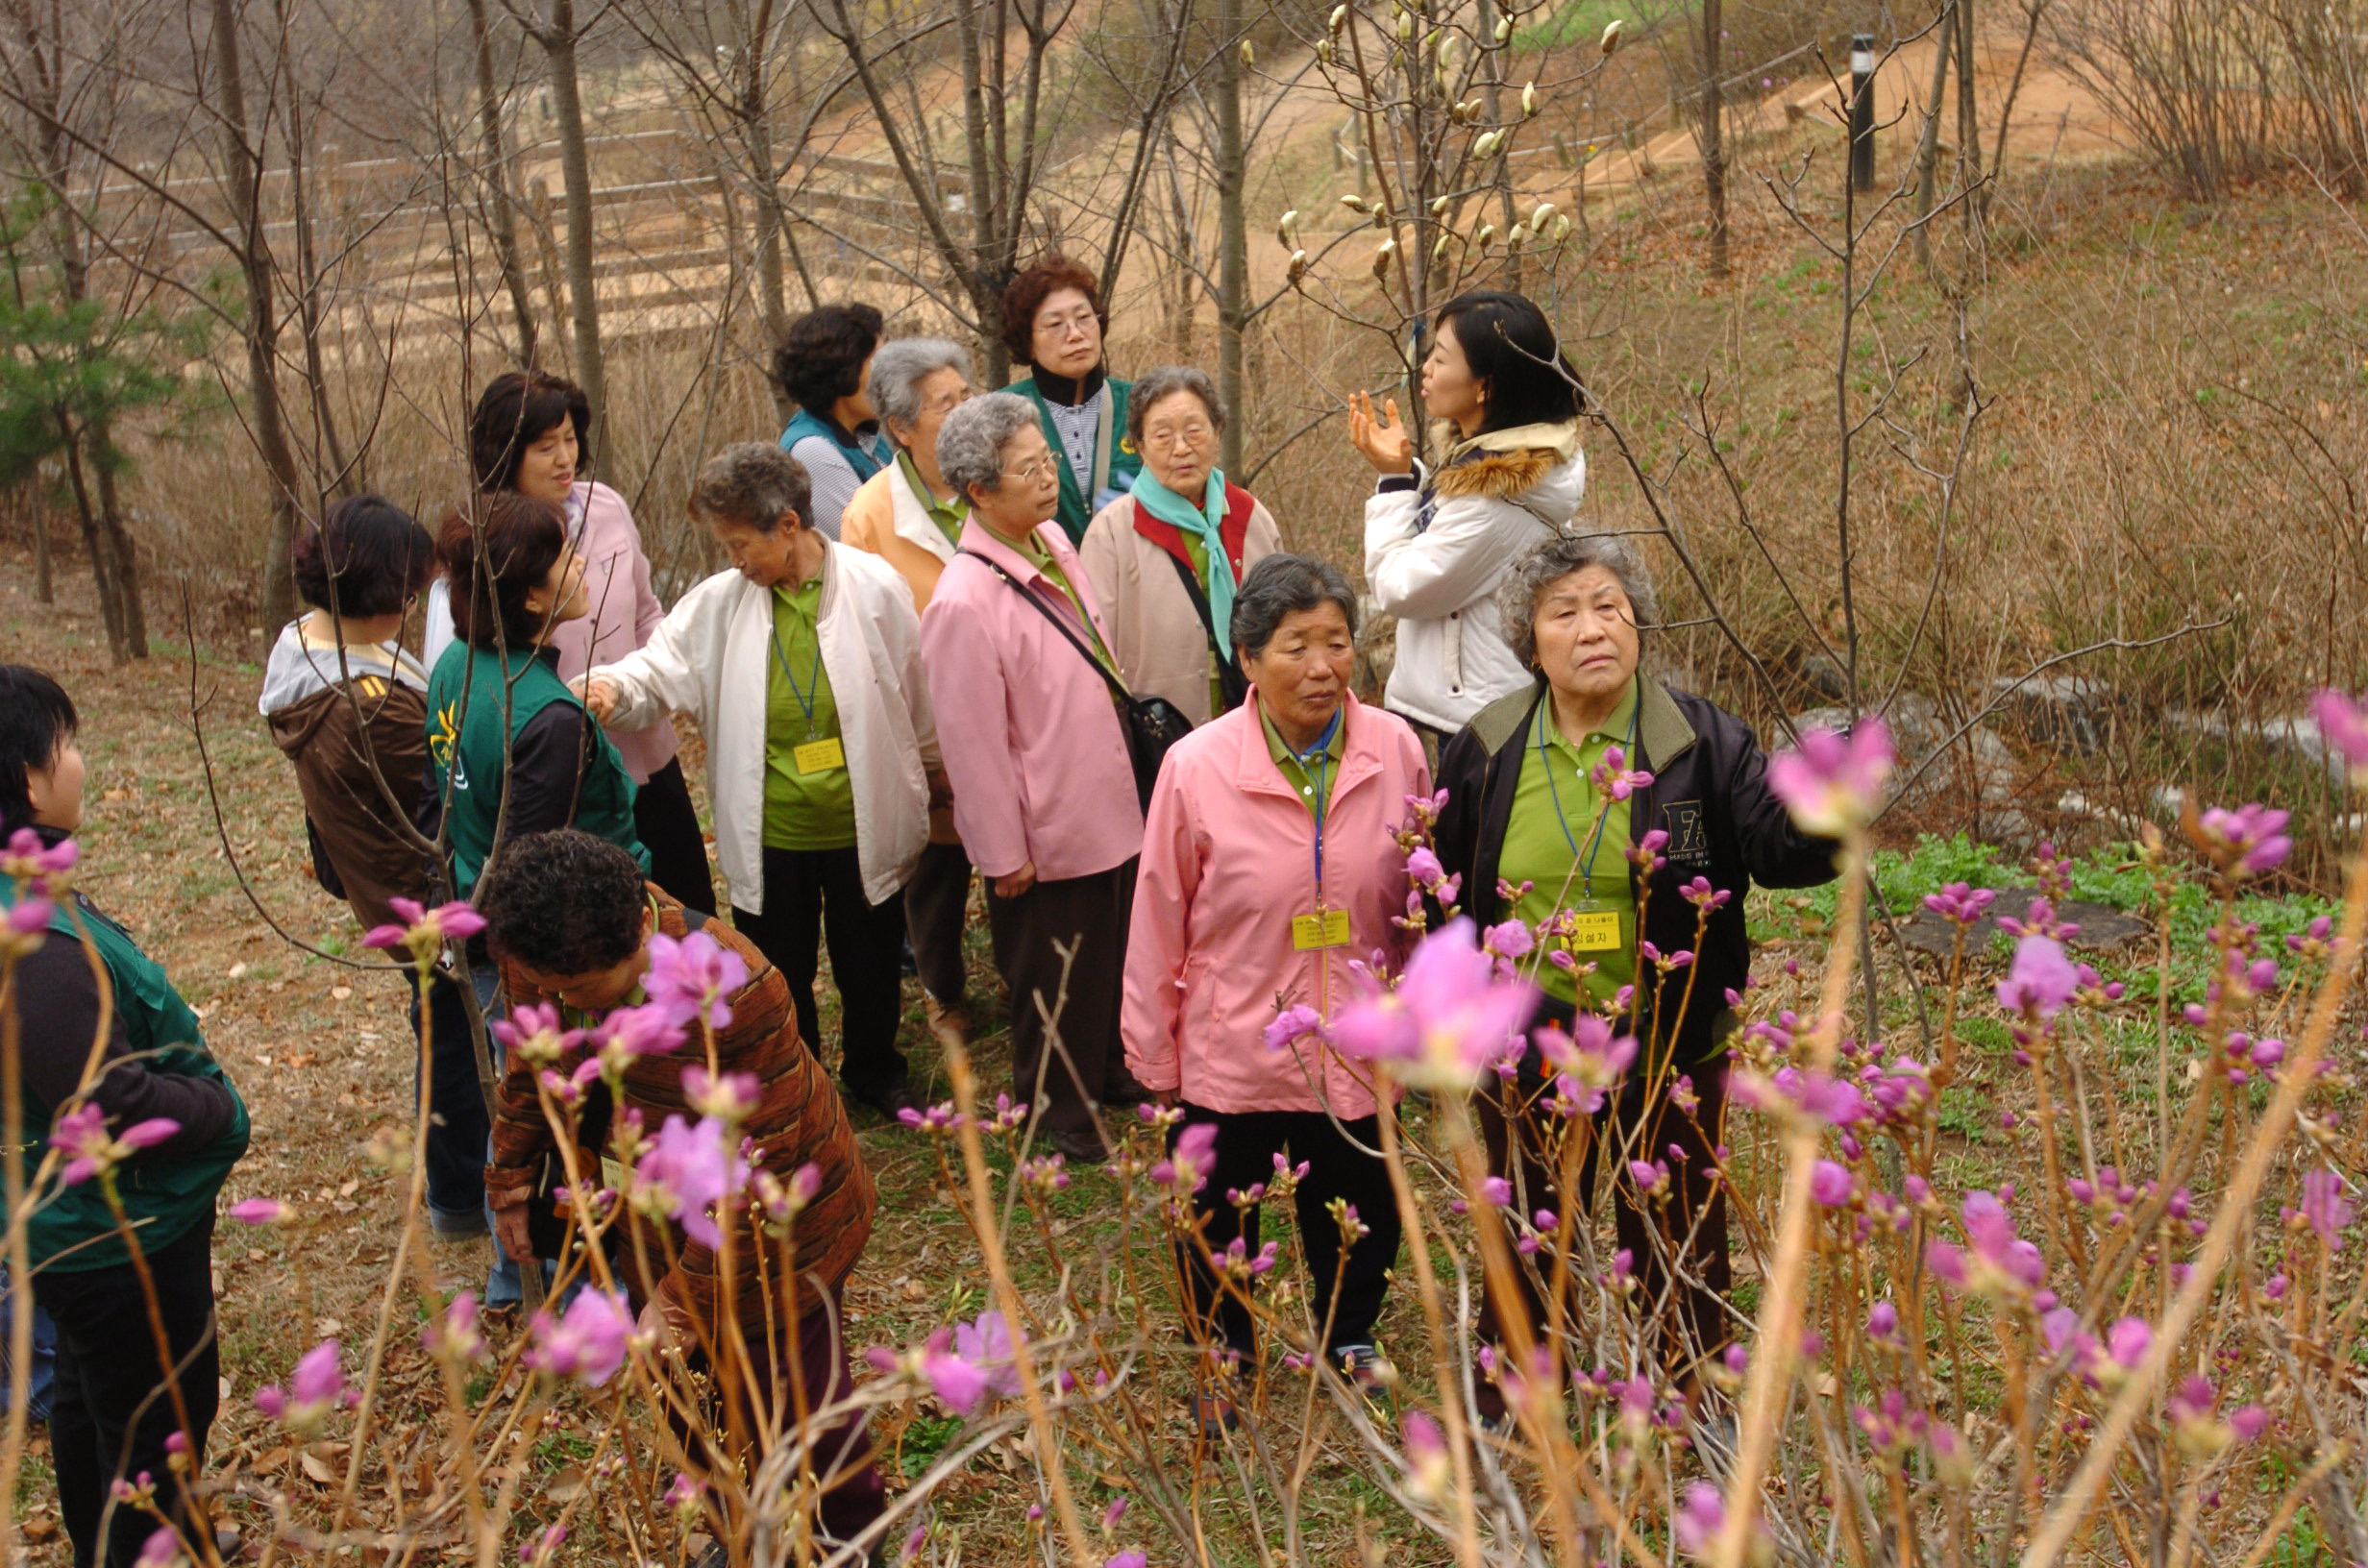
(1151, 724)
(1230, 681)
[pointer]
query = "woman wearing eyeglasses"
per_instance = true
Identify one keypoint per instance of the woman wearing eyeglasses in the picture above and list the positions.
(1168, 560)
(1016, 647)
(1053, 322)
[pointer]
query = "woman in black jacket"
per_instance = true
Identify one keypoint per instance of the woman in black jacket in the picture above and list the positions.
(1537, 800)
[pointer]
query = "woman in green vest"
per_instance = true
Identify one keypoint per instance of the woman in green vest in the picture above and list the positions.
(154, 1121)
(1054, 323)
(498, 712)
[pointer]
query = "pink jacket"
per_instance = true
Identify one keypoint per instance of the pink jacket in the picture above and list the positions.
(1228, 859)
(1030, 736)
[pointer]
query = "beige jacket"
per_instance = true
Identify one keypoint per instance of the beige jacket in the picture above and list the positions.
(1155, 634)
(885, 519)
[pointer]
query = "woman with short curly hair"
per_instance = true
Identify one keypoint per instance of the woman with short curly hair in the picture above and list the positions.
(825, 364)
(1055, 322)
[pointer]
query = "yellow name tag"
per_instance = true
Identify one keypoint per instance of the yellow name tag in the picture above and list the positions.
(820, 756)
(612, 1173)
(1594, 931)
(1325, 928)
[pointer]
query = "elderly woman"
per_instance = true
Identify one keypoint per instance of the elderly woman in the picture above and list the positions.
(1269, 869)
(824, 364)
(1437, 541)
(1167, 559)
(1526, 808)
(911, 518)
(802, 666)
(1054, 323)
(509, 747)
(529, 436)
(1044, 787)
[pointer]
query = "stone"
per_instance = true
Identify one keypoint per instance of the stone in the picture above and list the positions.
(2069, 712)
(2102, 929)
(1979, 766)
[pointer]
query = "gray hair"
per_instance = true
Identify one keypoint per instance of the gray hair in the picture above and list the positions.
(1165, 381)
(898, 367)
(1530, 577)
(752, 483)
(970, 443)
(1281, 585)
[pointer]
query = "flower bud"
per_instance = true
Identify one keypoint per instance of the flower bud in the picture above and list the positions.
(1611, 35)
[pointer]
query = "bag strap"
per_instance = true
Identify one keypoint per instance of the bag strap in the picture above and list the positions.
(1101, 445)
(1226, 671)
(1118, 687)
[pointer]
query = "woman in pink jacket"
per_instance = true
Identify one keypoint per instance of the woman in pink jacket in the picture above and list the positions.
(1270, 865)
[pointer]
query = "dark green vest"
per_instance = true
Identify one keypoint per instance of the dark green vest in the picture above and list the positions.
(71, 1228)
(1078, 508)
(469, 745)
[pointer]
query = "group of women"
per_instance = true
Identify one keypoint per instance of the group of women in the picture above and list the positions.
(928, 661)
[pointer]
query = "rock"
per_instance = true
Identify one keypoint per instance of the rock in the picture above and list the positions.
(2102, 929)
(1979, 766)
(2295, 734)
(2069, 712)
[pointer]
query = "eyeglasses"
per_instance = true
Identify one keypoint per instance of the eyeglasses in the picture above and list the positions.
(1170, 437)
(1077, 325)
(1027, 475)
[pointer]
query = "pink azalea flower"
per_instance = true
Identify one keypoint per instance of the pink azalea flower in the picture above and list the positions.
(424, 931)
(2325, 1208)
(2000, 1262)
(314, 1390)
(1450, 1021)
(26, 927)
(161, 1549)
(28, 861)
(632, 1032)
(1961, 904)
(1428, 1470)
(2127, 1342)
(261, 1212)
(1699, 1519)
(1830, 1184)
(1291, 1024)
(589, 1344)
(688, 1170)
(454, 1335)
(2250, 840)
(1186, 1169)
(534, 1032)
(1883, 1321)
(2042, 980)
(694, 977)
(82, 1133)
(1614, 777)
(1832, 783)
(2344, 726)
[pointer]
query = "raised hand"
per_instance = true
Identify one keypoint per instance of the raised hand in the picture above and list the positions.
(1385, 442)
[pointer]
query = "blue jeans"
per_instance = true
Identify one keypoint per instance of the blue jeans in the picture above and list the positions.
(504, 1287)
(44, 1375)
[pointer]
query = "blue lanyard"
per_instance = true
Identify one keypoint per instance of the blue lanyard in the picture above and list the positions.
(1546, 761)
(1318, 760)
(813, 681)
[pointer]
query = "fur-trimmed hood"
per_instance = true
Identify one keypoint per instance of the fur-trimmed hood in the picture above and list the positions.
(1500, 475)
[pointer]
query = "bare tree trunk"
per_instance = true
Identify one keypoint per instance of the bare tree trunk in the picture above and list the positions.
(1968, 112)
(499, 206)
(102, 558)
(557, 34)
(340, 472)
(771, 218)
(1714, 144)
(983, 191)
(44, 588)
(1928, 143)
(122, 561)
(260, 329)
(1232, 231)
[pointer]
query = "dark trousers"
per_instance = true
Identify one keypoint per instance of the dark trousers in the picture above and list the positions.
(668, 828)
(113, 1411)
(457, 1129)
(1246, 1144)
(1690, 1229)
(937, 901)
(1090, 1065)
(814, 895)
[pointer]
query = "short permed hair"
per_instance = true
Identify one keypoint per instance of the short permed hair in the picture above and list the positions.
(970, 443)
(902, 365)
(496, 550)
(36, 721)
(1025, 295)
(1166, 383)
(820, 357)
(1531, 576)
(515, 410)
(1281, 585)
(377, 554)
(752, 483)
(565, 902)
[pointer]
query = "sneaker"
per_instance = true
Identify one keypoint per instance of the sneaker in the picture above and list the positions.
(950, 1022)
(1213, 1410)
(1370, 1373)
(1084, 1146)
(458, 1224)
(888, 1102)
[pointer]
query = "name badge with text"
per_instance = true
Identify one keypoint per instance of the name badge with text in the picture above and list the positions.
(820, 756)
(1323, 928)
(1594, 930)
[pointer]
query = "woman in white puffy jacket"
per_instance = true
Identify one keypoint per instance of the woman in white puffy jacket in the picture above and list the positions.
(1438, 541)
(803, 667)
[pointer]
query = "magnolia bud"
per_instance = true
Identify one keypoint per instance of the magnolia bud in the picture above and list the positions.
(1561, 228)
(1514, 239)
(1611, 35)
(1439, 205)
(1340, 14)
(1538, 219)
(1504, 30)
(1298, 266)
(1323, 50)
(1405, 26)
(1287, 231)
(1484, 144)
(1438, 249)
(1381, 257)
(1353, 202)
(1529, 98)
(1487, 232)
(1249, 56)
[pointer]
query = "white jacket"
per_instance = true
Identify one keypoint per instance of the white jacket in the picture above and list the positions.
(1441, 583)
(711, 658)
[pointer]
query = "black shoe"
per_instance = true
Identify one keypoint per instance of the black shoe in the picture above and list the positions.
(1081, 1148)
(888, 1102)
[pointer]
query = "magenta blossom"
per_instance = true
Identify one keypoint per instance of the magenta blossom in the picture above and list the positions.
(423, 930)
(1450, 1021)
(1428, 1470)
(1186, 1169)
(2042, 981)
(1830, 1184)
(590, 1342)
(1699, 1519)
(968, 1362)
(1961, 904)
(81, 1134)
(2249, 841)
(1291, 1024)
(27, 860)
(1832, 784)
(535, 1032)
(2325, 1208)
(689, 1169)
(261, 1212)
(629, 1033)
(694, 977)
(161, 1549)
(1614, 778)
(25, 926)
(314, 1390)
(2343, 724)
(454, 1335)
(1835, 1102)
(2000, 1263)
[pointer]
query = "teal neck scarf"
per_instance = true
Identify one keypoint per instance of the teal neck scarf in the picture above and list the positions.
(1204, 521)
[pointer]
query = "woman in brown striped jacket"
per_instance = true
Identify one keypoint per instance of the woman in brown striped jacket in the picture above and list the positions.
(568, 917)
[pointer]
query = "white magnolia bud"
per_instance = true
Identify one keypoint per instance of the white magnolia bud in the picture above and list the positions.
(1323, 50)
(1287, 231)
(1439, 250)
(1504, 30)
(1480, 240)
(1340, 14)
(1439, 205)
(1405, 26)
(1381, 257)
(1353, 202)
(1612, 35)
(1538, 219)
(1514, 239)
(1485, 144)
(1298, 266)
(1561, 228)
(1529, 98)
(1249, 56)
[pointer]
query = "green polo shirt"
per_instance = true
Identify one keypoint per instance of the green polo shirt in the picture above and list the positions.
(948, 515)
(812, 808)
(1315, 788)
(1555, 808)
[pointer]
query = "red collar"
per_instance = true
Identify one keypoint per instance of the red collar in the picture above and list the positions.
(1233, 531)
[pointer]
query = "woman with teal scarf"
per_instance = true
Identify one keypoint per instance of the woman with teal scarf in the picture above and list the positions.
(1167, 559)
